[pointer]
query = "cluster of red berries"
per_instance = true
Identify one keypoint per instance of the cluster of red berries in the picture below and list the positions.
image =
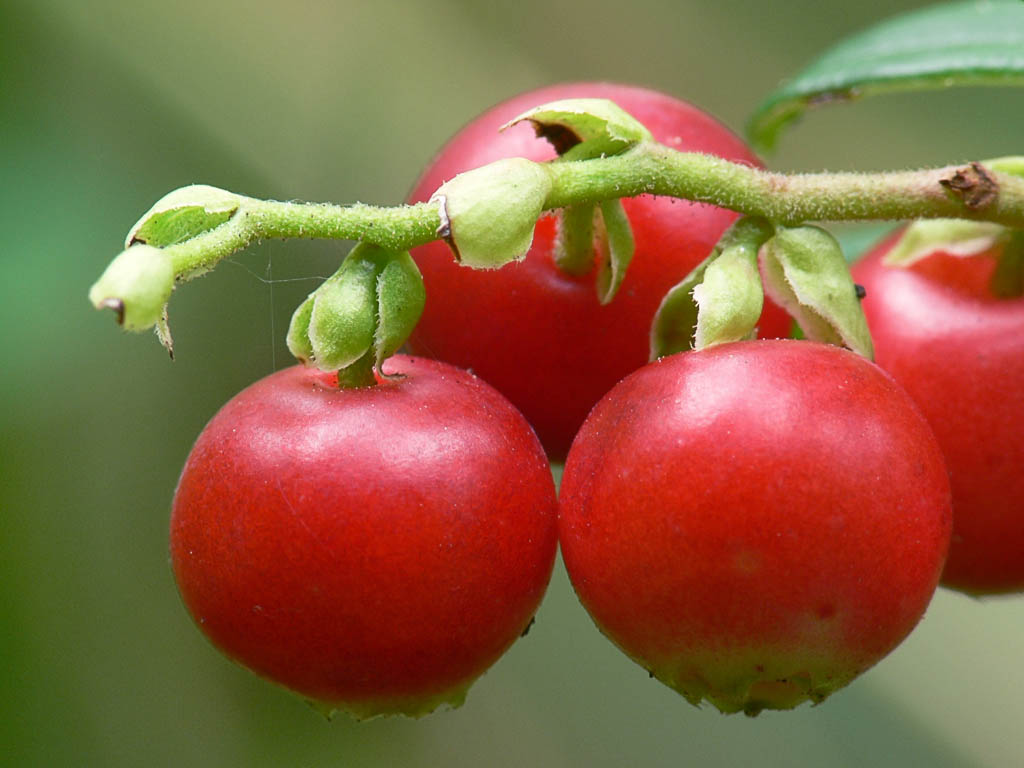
(756, 523)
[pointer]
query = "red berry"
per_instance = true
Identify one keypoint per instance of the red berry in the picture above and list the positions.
(373, 549)
(538, 335)
(959, 352)
(755, 523)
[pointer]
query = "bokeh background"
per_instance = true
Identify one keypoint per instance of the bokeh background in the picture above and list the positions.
(104, 107)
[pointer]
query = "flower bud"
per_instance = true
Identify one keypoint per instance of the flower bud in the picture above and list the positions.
(365, 310)
(136, 285)
(488, 214)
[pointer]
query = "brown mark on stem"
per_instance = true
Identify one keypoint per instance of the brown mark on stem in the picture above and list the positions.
(973, 185)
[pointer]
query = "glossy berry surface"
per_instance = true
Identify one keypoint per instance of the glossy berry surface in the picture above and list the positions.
(959, 351)
(756, 523)
(538, 335)
(373, 549)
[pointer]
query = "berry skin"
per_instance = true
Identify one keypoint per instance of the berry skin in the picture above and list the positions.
(756, 523)
(373, 549)
(959, 352)
(536, 334)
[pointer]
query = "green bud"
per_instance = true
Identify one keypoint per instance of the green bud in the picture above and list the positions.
(342, 320)
(720, 300)
(488, 214)
(581, 129)
(136, 285)
(183, 214)
(298, 331)
(805, 272)
(729, 299)
(361, 314)
(400, 300)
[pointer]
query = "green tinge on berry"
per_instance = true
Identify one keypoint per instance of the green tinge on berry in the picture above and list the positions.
(406, 706)
(752, 680)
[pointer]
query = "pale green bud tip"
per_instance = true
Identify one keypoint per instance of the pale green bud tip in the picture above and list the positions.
(488, 214)
(183, 214)
(136, 285)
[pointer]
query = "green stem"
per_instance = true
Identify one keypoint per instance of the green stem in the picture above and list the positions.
(969, 192)
(359, 374)
(574, 248)
(793, 198)
(395, 229)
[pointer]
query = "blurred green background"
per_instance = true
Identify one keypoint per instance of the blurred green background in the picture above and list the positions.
(105, 106)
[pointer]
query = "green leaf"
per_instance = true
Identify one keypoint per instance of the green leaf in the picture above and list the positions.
(581, 129)
(615, 240)
(805, 272)
(963, 43)
(720, 300)
(675, 322)
(729, 298)
(400, 300)
(183, 214)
